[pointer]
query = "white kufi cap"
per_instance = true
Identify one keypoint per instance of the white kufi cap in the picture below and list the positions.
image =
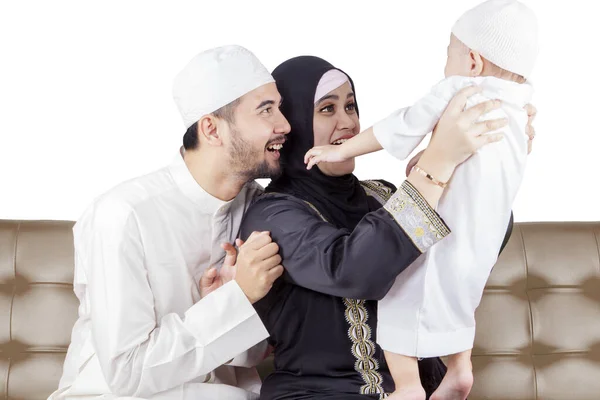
(215, 78)
(503, 31)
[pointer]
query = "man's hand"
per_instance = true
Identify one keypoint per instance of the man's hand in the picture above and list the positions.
(212, 279)
(530, 130)
(258, 266)
(268, 352)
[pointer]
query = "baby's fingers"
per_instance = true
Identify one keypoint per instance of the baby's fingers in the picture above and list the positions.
(315, 151)
(313, 161)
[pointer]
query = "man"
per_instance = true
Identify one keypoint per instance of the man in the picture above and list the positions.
(145, 327)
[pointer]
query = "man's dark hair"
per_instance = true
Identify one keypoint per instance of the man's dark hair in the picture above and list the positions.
(227, 113)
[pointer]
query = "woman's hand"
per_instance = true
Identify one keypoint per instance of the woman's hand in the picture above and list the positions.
(455, 138)
(530, 130)
(413, 161)
(458, 135)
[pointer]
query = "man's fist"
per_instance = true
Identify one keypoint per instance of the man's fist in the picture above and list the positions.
(258, 265)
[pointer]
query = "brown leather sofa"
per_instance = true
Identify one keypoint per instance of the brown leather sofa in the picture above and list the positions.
(538, 332)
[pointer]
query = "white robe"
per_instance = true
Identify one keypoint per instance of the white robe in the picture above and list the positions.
(430, 309)
(143, 330)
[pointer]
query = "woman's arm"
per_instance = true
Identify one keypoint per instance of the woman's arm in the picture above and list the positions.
(360, 264)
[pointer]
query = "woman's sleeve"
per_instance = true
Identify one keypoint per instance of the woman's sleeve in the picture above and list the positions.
(359, 264)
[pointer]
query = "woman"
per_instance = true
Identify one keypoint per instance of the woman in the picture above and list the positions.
(341, 239)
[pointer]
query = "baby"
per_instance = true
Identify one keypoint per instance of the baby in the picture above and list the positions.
(429, 311)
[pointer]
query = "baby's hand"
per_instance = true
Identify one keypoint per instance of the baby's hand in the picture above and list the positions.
(330, 153)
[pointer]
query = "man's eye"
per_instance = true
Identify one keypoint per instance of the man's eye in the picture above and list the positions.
(266, 111)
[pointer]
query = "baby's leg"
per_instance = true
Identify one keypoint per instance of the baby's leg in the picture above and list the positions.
(458, 381)
(405, 372)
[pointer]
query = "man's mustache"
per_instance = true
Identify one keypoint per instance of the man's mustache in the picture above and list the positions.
(277, 139)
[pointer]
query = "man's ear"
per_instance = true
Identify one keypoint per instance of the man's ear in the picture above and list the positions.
(208, 130)
(476, 61)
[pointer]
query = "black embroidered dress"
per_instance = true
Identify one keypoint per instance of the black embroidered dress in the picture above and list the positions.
(343, 242)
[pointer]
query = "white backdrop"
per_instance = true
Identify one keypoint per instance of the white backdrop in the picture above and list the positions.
(85, 88)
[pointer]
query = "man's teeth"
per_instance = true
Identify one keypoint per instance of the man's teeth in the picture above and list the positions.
(275, 147)
(339, 141)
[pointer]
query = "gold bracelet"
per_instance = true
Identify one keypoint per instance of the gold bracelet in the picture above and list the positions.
(430, 177)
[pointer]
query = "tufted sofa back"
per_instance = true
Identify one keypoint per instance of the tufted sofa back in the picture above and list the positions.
(538, 325)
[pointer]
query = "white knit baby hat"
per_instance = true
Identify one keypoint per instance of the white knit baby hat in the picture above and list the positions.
(503, 31)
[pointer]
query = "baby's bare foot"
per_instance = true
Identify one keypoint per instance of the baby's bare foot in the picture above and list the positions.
(456, 385)
(408, 393)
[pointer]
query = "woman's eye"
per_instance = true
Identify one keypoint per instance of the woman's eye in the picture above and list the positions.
(266, 111)
(351, 107)
(327, 109)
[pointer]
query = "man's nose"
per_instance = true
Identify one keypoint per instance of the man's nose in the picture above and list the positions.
(282, 125)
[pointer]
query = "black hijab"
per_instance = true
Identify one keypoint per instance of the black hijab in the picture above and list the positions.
(341, 200)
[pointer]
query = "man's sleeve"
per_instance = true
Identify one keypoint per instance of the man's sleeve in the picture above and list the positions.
(252, 357)
(140, 355)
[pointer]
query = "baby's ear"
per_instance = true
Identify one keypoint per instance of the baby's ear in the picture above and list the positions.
(476, 63)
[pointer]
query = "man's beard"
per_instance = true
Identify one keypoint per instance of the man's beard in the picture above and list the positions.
(242, 160)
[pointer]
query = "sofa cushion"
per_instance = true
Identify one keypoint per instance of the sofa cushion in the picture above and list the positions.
(538, 325)
(37, 306)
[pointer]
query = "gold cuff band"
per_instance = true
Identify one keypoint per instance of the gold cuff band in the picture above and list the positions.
(430, 177)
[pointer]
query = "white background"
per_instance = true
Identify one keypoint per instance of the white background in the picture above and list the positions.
(85, 88)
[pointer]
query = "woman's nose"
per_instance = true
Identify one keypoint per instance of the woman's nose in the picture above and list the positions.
(345, 122)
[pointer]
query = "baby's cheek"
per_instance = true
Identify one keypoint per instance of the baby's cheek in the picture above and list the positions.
(448, 69)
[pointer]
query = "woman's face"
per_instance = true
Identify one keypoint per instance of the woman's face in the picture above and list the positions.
(335, 119)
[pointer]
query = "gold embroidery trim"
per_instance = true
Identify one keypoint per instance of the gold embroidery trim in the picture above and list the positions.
(416, 217)
(426, 208)
(363, 348)
(377, 190)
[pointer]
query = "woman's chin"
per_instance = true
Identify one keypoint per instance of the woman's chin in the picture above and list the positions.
(337, 169)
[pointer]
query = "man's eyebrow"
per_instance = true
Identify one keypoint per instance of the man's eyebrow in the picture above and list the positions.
(265, 103)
